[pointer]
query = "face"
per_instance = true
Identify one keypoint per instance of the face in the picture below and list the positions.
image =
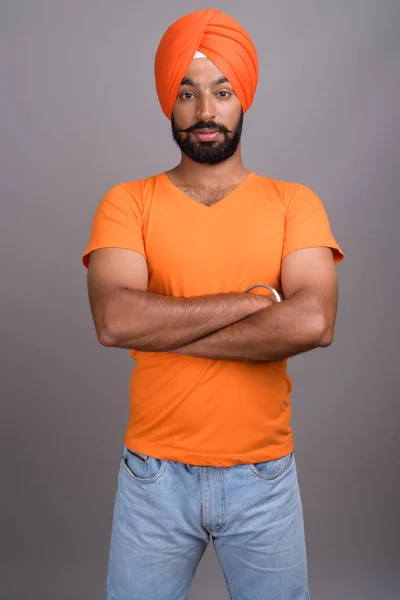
(207, 117)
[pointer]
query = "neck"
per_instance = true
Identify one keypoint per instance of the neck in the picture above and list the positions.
(231, 171)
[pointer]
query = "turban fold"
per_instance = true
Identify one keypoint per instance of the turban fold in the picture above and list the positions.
(222, 39)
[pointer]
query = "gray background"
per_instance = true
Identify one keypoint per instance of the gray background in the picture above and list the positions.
(79, 114)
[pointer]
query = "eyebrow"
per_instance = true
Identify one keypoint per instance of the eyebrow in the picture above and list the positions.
(187, 81)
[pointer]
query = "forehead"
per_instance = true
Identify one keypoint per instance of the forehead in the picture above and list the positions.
(203, 71)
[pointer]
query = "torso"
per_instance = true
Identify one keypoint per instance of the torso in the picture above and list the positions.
(200, 241)
(206, 196)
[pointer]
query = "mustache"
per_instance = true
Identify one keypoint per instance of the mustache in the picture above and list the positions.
(206, 125)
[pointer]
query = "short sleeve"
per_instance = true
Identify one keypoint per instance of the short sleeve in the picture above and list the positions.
(117, 223)
(307, 224)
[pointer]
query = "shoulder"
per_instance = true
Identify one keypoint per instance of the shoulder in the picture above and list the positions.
(140, 185)
(288, 192)
(132, 191)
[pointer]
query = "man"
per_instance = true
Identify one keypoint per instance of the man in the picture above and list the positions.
(208, 450)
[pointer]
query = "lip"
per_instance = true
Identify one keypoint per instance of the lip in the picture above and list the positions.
(206, 135)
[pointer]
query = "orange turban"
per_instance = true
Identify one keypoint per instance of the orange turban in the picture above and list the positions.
(222, 39)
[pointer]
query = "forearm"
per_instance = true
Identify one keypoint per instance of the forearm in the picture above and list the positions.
(276, 332)
(156, 323)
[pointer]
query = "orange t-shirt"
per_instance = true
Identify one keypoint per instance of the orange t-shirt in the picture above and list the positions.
(196, 410)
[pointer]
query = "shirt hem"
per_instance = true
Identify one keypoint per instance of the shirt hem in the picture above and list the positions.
(201, 460)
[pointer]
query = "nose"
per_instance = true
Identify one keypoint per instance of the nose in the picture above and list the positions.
(206, 107)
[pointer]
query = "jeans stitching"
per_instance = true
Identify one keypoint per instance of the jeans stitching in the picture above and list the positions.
(135, 454)
(138, 479)
(221, 529)
(261, 475)
(203, 500)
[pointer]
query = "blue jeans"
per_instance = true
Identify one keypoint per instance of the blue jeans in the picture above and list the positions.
(166, 512)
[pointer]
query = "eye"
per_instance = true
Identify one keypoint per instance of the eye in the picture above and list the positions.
(224, 92)
(186, 94)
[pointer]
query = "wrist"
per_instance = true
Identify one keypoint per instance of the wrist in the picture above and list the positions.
(264, 301)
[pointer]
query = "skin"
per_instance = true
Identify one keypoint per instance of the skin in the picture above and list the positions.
(231, 326)
(207, 102)
(308, 276)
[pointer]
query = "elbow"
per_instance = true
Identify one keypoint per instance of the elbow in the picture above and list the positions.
(326, 340)
(112, 337)
(105, 336)
(319, 332)
(325, 337)
(105, 331)
(106, 341)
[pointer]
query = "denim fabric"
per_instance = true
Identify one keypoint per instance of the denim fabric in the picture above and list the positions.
(166, 513)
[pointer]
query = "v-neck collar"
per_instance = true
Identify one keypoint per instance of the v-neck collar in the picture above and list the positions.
(239, 188)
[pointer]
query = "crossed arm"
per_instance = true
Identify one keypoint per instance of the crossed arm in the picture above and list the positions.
(236, 326)
(302, 321)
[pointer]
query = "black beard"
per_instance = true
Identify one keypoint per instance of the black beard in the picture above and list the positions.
(208, 153)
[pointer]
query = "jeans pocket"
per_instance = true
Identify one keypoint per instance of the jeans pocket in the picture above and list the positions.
(142, 467)
(271, 469)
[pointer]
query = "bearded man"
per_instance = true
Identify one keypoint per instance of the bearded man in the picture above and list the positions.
(212, 276)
